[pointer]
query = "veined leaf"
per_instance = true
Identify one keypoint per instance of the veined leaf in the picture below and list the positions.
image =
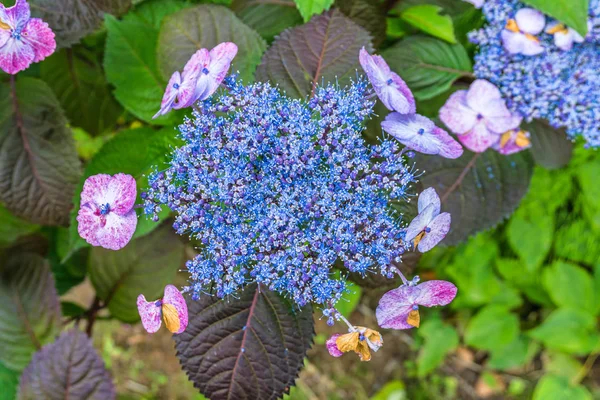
(308, 8)
(429, 19)
(574, 13)
(268, 18)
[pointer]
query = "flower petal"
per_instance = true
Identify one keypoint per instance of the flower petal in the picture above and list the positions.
(394, 307)
(530, 20)
(40, 37)
(456, 113)
(439, 227)
(174, 297)
(150, 314)
(117, 231)
(94, 189)
(479, 139)
(564, 40)
(518, 141)
(120, 193)
(89, 222)
(17, 15)
(332, 346)
(513, 42)
(435, 293)
(413, 131)
(15, 56)
(347, 342)
(427, 197)
(503, 123)
(220, 60)
(481, 94)
(170, 95)
(421, 221)
(449, 147)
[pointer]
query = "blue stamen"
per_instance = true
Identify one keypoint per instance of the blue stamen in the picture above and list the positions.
(427, 230)
(176, 85)
(390, 81)
(104, 209)
(361, 337)
(421, 131)
(415, 307)
(205, 71)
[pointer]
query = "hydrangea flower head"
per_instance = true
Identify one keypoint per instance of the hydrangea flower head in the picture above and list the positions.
(519, 37)
(559, 86)
(275, 190)
(429, 227)
(201, 77)
(399, 308)
(172, 308)
(23, 40)
(420, 134)
(360, 340)
(478, 116)
(390, 88)
(106, 216)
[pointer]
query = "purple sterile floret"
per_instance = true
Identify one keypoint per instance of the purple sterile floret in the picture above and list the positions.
(429, 226)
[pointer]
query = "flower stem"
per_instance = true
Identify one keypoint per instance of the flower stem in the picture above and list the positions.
(350, 326)
(404, 280)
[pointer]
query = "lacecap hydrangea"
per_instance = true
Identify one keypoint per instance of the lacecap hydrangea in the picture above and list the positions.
(558, 85)
(281, 191)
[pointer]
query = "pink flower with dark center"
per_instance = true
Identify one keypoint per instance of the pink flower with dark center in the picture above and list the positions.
(390, 88)
(420, 134)
(518, 37)
(23, 40)
(512, 142)
(172, 308)
(429, 227)
(478, 116)
(399, 308)
(106, 217)
(201, 77)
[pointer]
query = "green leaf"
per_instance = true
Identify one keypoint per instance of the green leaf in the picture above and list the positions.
(39, 165)
(529, 282)
(515, 354)
(12, 228)
(370, 14)
(439, 340)
(122, 154)
(561, 364)
(9, 380)
(493, 328)
(269, 19)
(394, 390)
(428, 65)
(308, 8)
(568, 330)
(335, 42)
(144, 266)
(575, 243)
(574, 13)
(570, 286)
(548, 189)
(71, 20)
(70, 309)
(550, 147)
(131, 67)
(205, 26)
(349, 301)
(479, 190)
(587, 175)
(429, 19)
(529, 233)
(552, 387)
(29, 307)
(76, 77)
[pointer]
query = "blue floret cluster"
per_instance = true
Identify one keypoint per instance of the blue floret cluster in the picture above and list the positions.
(562, 87)
(282, 192)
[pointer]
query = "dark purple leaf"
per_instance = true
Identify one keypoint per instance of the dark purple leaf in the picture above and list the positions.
(370, 14)
(478, 190)
(38, 162)
(70, 369)
(248, 347)
(71, 20)
(326, 48)
(29, 306)
(550, 147)
(267, 17)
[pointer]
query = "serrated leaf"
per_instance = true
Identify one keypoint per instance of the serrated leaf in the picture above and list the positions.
(251, 346)
(325, 49)
(440, 339)
(9, 380)
(69, 368)
(308, 8)
(131, 66)
(38, 161)
(122, 154)
(11, 227)
(268, 18)
(561, 278)
(205, 26)
(574, 13)
(478, 190)
(550, 147)
(71, 20)
(145, 266)
(529, 233)
(370, 14)
(494, 327)
(552, 387)
(428, 65)
(29, 306)
(568, 330)
(430, 19)
(77, 79)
